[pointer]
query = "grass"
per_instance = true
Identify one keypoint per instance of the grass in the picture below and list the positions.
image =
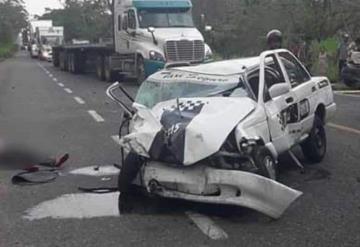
(7, 50)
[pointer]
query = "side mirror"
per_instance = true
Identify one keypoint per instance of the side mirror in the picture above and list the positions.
(279, 89)
(208, 28)
(151, 29)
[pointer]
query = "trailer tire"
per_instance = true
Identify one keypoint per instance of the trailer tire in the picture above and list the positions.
(56, 60)
(100, 68)
(140, 70)
(69, 63)
(109, 74)
(63, 61)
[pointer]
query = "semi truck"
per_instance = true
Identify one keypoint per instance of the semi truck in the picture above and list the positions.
(148, 35)
(33, 26)
(48, 37)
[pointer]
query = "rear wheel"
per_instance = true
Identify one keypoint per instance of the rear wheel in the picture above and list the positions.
(109, 74)
(265, 163)
(100, 68)
(314, 148)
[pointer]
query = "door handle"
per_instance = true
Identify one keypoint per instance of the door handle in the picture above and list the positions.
(289, 100)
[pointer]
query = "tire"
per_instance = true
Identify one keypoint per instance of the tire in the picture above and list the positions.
(109, 75)
(100, 68)
(265, 163)
(69, 62)
(56, 61)
(63, 61)
(140, 70)
(314, 148)
(129, 171)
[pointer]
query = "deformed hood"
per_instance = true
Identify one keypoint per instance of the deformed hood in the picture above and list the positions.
(185, 131)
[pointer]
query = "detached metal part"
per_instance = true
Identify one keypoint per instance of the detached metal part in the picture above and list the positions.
(204, 184)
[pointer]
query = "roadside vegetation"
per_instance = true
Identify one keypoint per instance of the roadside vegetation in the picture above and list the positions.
(240, 27)
(13, 17)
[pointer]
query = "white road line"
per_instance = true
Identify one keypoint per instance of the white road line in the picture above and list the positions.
(96, 116)
(116, 139)
(79, 100)
(55, 80)
(344, 128)
(68, 90)
(207, 226)
(51, 75)
(61, 85)
(357, 95)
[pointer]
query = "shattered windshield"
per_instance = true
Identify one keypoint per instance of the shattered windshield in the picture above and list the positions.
(151, 92)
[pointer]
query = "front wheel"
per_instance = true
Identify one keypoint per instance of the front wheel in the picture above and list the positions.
(140, 70)
(129, 171)
(314, 148)
(265, 163)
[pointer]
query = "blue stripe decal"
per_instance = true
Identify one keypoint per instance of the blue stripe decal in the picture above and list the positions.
(152, 66)
(142, 4)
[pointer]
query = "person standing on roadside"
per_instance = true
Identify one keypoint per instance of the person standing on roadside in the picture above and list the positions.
(343, 53)
(274, 39)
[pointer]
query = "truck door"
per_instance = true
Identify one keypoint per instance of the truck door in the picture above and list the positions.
(302, 86)
(131, 31)
(281, 110)
(126, 32)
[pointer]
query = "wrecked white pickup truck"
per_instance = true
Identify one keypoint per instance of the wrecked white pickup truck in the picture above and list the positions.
(213, 132)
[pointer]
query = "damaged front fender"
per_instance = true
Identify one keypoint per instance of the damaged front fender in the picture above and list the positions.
(208, 185)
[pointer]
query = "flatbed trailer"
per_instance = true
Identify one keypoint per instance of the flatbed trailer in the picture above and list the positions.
(79, 58)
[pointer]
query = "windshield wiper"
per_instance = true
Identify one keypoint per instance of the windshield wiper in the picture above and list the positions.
(181, 26)
(225, 91)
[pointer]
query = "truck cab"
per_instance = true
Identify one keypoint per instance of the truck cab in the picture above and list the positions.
(158, 32)
(48, 37)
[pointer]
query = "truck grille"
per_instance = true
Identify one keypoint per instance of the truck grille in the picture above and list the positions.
(185, 50)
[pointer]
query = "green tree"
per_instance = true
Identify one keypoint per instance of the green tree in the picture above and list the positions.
(13, 17)
(86, 19)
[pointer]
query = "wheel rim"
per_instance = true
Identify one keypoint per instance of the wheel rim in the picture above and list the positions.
(270, 167)
(319, 140)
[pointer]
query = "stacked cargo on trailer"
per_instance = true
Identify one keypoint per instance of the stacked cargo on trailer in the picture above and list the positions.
(148, 34)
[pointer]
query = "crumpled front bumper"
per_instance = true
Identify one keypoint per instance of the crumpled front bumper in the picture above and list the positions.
(204, 184)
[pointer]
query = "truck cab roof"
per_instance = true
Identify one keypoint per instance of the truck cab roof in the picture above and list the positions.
(155, 4)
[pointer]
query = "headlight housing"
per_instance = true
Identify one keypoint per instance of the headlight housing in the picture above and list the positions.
(156, 56)
(208, 52)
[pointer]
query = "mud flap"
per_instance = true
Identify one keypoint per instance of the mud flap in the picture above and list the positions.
(234, 187)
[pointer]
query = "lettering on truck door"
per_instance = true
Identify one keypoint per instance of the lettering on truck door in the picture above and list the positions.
(303, 88)
(282, 111)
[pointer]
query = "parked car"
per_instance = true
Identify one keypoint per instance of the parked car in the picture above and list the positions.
(213, 132)
(351, 72)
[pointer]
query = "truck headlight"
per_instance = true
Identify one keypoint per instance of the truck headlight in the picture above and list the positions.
(208, 52)
(156, 56)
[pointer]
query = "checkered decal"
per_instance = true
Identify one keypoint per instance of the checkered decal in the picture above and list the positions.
(189, 106)
(169, 143)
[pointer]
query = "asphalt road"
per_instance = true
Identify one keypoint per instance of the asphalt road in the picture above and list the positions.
(56, 112)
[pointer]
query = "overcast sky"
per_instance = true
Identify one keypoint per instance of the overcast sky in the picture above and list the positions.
(38, 6)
